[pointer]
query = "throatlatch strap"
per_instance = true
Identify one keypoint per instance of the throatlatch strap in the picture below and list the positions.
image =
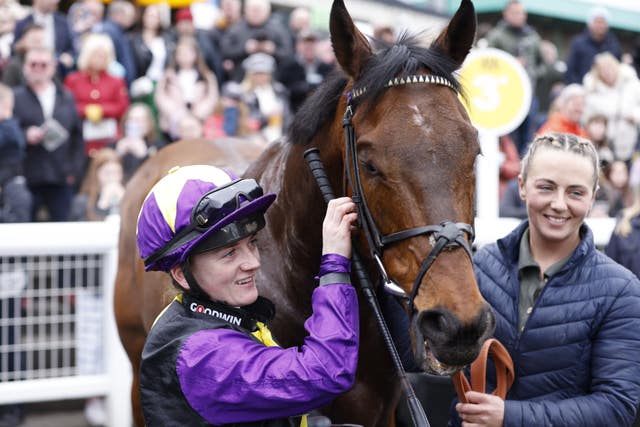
(504, 372)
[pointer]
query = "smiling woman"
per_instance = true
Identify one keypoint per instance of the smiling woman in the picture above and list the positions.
(567, 313)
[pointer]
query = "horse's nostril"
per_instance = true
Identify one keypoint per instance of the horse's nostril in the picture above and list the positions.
(432, 323)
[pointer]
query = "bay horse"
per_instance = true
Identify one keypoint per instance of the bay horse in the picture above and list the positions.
(409, 164)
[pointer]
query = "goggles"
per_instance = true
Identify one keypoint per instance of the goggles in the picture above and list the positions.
(222, 201)
(212, 208)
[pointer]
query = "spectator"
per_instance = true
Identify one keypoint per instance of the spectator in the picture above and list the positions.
(514, 36)
(231, 116)
(207, 41)
(57, 32)
(55, 157)
(257, 32)
(304, 72)
(101, 99)
(567, 314)
(268, 99)
(567, 112)
(7, 25)
(83, 16)
(152, 46)
(622, 197)
(230, 14)
(324, 52)
(613, 90)
(188, 86)
(596, 129)
(140, 138)
(624, 244)
(102, 187)
(118, 21)
(189, 127)
(550, 80)
(511, 204)
(510, 163)
(384, 35)
(15, 198)
(32, 37)
(299, 22)
(595, 39)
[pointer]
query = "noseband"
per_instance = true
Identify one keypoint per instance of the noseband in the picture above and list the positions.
(444, 235)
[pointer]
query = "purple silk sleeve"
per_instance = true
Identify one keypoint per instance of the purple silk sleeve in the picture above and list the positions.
(334, 263)
(227, 377)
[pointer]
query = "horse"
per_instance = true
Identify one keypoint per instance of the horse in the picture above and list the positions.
(139, 296)
(393, 133)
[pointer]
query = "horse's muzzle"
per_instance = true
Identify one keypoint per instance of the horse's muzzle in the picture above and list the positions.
(443, 345)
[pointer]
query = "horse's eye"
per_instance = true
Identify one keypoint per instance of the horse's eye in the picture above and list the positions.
(371, 168)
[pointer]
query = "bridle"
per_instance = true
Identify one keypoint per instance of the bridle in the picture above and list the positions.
(445, 235)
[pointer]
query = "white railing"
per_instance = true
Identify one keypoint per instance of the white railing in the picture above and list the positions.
(48, 272)
(35, 263)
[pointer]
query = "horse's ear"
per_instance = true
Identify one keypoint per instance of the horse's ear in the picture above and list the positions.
(350, 46)
(456, 40)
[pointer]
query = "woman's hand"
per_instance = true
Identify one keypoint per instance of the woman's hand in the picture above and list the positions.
(336, 228)
(483, 410)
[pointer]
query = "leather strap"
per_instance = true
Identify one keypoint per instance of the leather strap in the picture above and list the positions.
(504, 372)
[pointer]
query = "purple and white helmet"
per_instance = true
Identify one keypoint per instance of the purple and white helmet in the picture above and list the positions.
(197, 208)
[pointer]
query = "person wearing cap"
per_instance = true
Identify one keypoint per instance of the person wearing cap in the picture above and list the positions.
(595, 39)
(207, 40)
(209, 358)
(268, 99)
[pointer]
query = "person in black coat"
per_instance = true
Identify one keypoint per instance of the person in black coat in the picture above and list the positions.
(55, 156)
(304, 72)
(595, 39)
(15, 198)
(257, 32)
(57, 30)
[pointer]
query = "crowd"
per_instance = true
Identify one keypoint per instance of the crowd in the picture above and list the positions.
(89, 95)
(130, 80)
(593, 93)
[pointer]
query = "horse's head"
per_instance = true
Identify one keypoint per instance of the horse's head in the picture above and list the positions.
(412, 163)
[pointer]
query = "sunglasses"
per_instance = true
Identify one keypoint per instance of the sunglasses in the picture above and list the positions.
(211, 209)
(222, 201)
(36, 64)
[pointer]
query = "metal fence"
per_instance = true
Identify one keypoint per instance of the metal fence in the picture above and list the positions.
(57, 334)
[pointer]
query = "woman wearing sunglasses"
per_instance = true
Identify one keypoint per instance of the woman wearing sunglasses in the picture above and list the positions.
(209, 358)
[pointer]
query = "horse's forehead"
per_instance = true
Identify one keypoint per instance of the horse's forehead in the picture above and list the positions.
(414, 122)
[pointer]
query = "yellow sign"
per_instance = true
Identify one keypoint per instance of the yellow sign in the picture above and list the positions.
(497, 90)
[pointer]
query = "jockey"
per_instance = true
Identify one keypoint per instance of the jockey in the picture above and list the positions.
(209, 358)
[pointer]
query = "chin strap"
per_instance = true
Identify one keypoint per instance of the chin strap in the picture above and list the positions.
(504, 372)
(195, 289)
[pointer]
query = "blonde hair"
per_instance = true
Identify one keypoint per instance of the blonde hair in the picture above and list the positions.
(92, 43)
(562, 142)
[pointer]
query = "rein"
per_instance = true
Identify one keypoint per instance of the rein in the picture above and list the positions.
(503, 366)
(446, 234)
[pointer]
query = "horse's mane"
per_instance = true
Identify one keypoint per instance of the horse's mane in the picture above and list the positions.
(404, 58)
